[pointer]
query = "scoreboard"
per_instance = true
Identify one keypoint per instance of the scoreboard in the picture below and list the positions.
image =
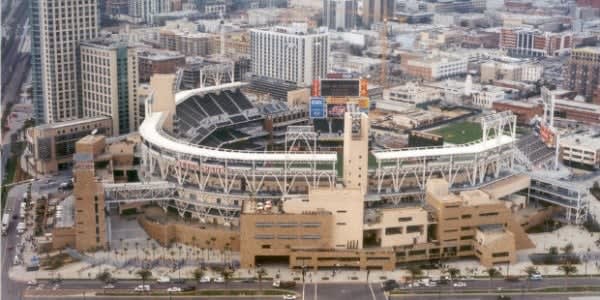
(340, 87)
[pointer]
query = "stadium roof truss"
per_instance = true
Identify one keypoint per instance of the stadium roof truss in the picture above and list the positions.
(469, 165)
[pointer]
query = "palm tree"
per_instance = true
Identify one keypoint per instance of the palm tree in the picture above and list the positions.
(414, 271)
(260, 273)
(207, 250)
(105, 277)
(568, 269)
(198, 273)
(144, 275)
(492, 272)
(226, 273)
(568, 249)
(530, 271)
(453, 272)
(136, 250)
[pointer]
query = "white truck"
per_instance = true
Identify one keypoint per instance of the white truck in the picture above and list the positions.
(5, 223)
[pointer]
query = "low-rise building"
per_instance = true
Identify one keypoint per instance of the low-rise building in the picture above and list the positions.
(437, 67)
(50, 147)
(525, 111)
(411, 94)
(581, 150)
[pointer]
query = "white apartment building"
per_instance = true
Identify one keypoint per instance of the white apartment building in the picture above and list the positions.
(411, 94)
(62, 25)
(437, 67)
(296, 53)
(487, 95)
(581, 149)
(109, 82)
(518, 71)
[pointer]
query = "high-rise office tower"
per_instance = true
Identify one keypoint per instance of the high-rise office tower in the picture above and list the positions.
(109, 80)
(57, 28)
(146, 9)
(296, 53)
(582, 72)
(339, 14)
(373, 11)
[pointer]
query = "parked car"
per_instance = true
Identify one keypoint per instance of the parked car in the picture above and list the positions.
(460, 284)
(108, 286)
(163, 279)
(219, 280)
(205, 279)
(142, 288)
(32, 282)
(289, 297)
(174, 289)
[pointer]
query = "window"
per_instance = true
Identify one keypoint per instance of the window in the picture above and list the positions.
(341, 223)
(405, 219)
(311, 224)
(500, 254)
(466, 216)
(266, 246)
(450, 230)
(288, 224)
(451, 219)
(341, 211)
(263, 237)
(311, 237)
(414, 228)
(465, 228)
(467, 237)
(287, 237)
(263, 224)
(393, 230)
(489, 214)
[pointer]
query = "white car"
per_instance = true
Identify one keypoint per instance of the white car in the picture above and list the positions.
(289, 297)
(174, 289)
(108, 286)
(205, 279)
(32, 282)
(163, 279)
(460, 284)
(536, 276)
(142, 288)
(16, 260)
(219, 280)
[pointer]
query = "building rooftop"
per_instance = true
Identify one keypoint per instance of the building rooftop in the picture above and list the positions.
(295, 29)
(74, 122)
(584, 140)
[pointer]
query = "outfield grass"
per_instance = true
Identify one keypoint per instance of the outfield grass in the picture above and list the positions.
(460, 133)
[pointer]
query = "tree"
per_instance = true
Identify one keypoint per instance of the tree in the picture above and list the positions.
(105, 277)
(553, 251)
(414, 271)
(530, 271)
(453, 272)
(568, 249)
(492, 272)
(226, 273)
(260, 273)
(567, 269)
(144, 275)
(198, 273)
